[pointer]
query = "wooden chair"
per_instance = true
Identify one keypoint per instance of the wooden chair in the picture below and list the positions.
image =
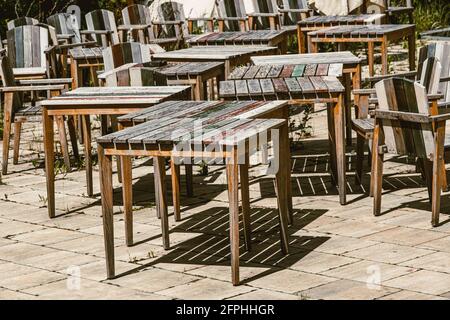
(393, 11)
(132, 75)
(128, 52)
(293, 11)
(67, 27)
(17, 112)
(231, 15)
(171, 22)
(266, 15)
(22, 21)
(405, 126)
(101, 27)
(433, 72)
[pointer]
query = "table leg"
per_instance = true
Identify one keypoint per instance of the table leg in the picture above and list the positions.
(49, 161)
(76, 73)
(371, 57)
(175, 172)
(73, 135)
(348, 109)
(384, 56)
(233, 195)
(161, 199)
(188, 168)
(332, 143)
(106, 189)
(199, 89)
(313, 46)
(127, 192)
(88, 153)
(412, 51)
(340, 148)
(9, 96)
(245, 194)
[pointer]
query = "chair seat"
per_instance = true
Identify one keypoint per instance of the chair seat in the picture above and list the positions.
(364, 127)
(29, 72)
(29, 111)
(397, 10)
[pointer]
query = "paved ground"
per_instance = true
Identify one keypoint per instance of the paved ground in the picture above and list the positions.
(337, 252)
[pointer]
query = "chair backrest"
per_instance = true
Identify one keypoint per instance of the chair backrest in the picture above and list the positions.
(7, 76)
(172, 11)
(52, 37)
(127, 52)
(136, 76)
(66, 24)
(22, 21)
(231, 9)
(292, 18)
(136, 14)
(102, 20)
(430, 75)
(441, 51)
(265, 6)
(27, 45)
(401, 137)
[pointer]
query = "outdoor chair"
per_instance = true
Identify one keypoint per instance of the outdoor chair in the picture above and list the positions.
(394, 10)
(404, 125)
(101, 27)
(22, 21)
(433, 72)
(293, 11)
(266, 15)
(16, 111)
(231, 15)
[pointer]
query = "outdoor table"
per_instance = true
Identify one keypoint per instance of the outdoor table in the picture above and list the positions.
(231, 56)
(322, 22)
(225, 124)
(82, 58)
(351, 73)
(90, 101)
(299, 84)
(370, 34)
(271, 38)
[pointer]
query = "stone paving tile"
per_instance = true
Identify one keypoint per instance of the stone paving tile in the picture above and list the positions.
(365, 270)
(411, 295)
(153, 280)
(223, 272)
(31, 279)
(388, 253)
(346, 290)
(405, 236)
(423, 281)
(88, 244)
(48, 236)
(290, 281)
(207, 289)
(17, 252)
(96, 271)
(442, 244)
(92, 290)
(438, 261)
(6, 294)
(9, 229)
(262, 294)
(59, 260)
(351, 228)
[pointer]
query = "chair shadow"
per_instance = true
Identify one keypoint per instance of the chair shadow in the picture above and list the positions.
(212, 248)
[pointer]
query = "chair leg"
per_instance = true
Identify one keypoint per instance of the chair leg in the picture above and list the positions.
(175, 172)
(360, 142)
(63, 141)
(189, 180)
(7, 119)
(246, 218)
(161, 200)
(438, 167)
(127, 191)
(17, 133)
(73, 136)
(377, 170)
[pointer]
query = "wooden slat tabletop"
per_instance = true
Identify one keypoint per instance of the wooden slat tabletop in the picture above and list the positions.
(115, 96)
(86, 53)
(189, 68)
(338, 20)
(359, 31)
(208, 111)
(343, 57)
(228, 132)
(247, 37)
(212, 52)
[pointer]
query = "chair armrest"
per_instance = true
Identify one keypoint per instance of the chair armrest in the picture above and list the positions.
(76, 45)
(134, 27)
(162, 23)
(259, 14)
(32, 88)
(200, 19)
(445, 79)
(96, 31)
(403, 116)
(45, 81)
(441, 117)
(364, 92)
(295, 10)
(408, 74)
(232, 18)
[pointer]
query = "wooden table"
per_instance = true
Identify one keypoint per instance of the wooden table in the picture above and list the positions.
(322, 22)
(351, 73)
(84, 58)
(271, 38)
(96, 101)
(369, 34)
(227, 130)
(299, 84)
(231, 56)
